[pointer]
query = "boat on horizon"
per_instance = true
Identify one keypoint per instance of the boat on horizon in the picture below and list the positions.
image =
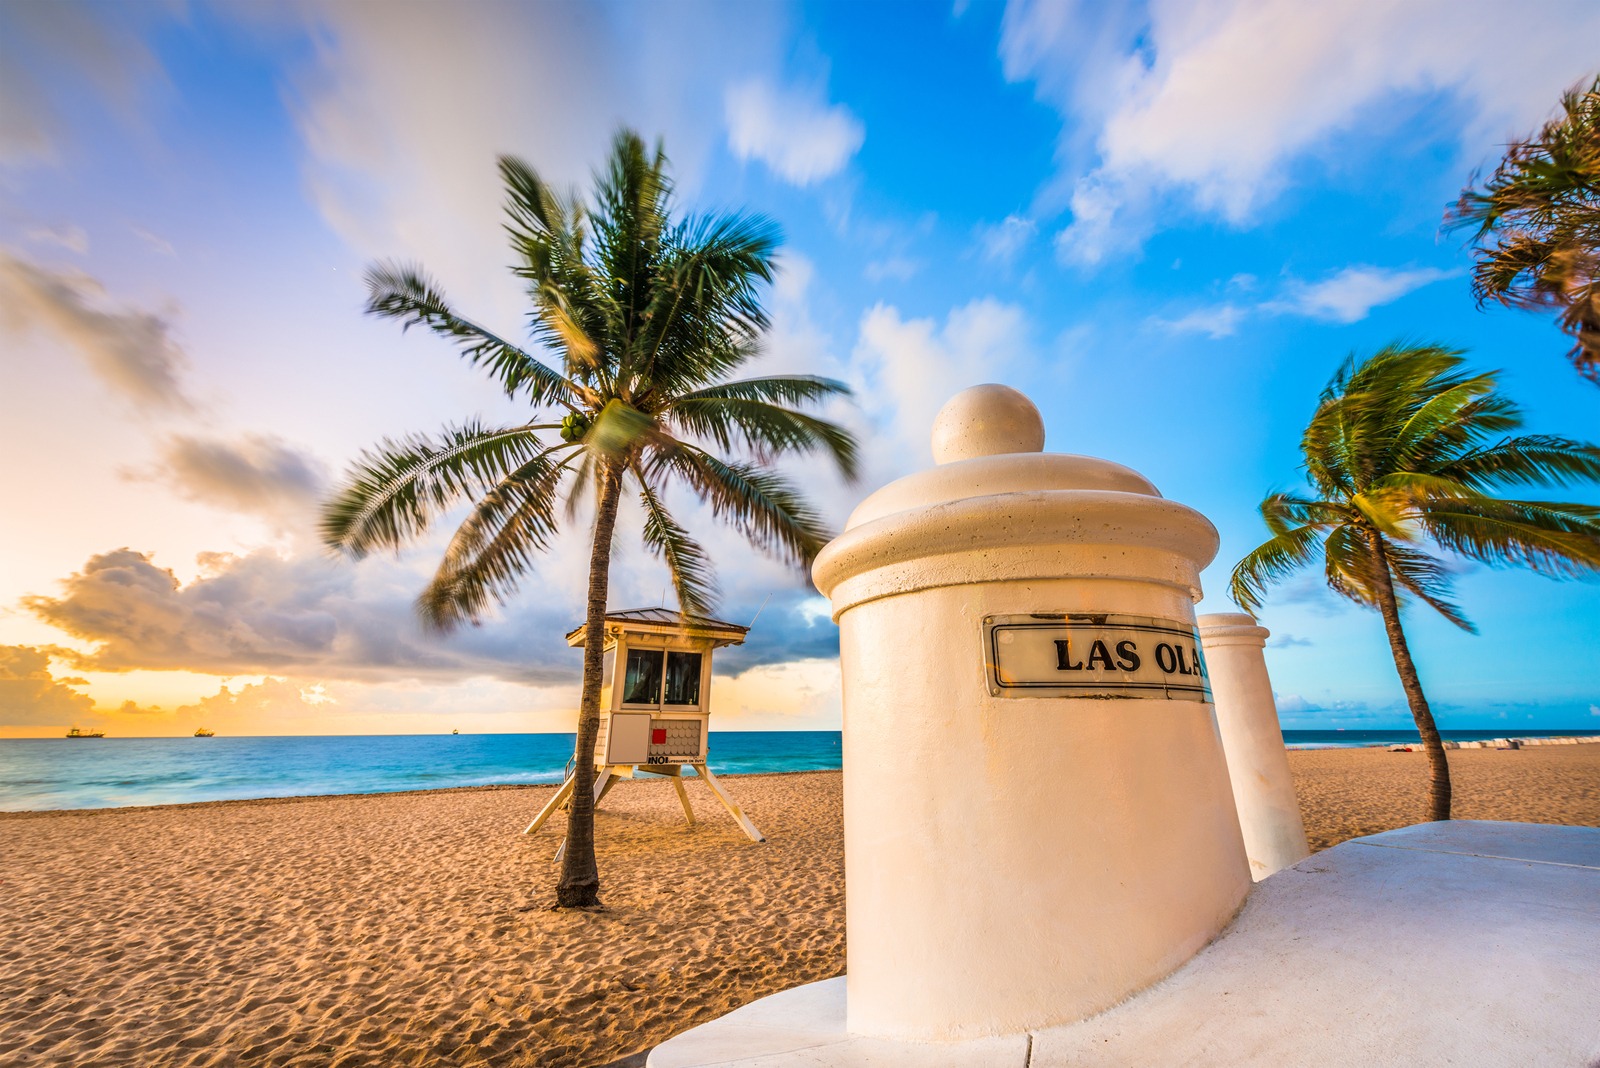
(201, 732)
(76, 732)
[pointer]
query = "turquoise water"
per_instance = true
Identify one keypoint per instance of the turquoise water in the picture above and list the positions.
(48, 773)
(111, 772)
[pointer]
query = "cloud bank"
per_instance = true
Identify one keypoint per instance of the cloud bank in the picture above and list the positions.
(796, 133)
(31, 696)
(1213, 102)
(1346, 296)
(130, 350)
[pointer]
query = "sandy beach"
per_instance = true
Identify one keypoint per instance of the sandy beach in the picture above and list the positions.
(412, 929)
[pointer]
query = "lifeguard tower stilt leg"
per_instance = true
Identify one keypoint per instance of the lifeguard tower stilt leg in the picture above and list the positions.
(675, 773)
(604, 780)
(729, 803)
(551, 806)
(683, 796)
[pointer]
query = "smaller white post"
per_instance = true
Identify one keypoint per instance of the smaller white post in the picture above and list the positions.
(1258, 765)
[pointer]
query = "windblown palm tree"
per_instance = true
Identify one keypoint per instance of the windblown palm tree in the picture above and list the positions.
(1404, 453)
(649, 316)
(1541, 208)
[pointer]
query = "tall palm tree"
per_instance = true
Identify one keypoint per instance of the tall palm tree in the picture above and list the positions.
(1404, 453)
(649, 316)
(1537, 223)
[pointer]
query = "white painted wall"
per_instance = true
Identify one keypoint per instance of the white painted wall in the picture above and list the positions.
(1258, 765)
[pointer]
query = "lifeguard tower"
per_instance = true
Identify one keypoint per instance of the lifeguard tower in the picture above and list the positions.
(657, 721)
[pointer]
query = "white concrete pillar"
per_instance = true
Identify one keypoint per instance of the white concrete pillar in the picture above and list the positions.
(1035, 827)
(1258, 765)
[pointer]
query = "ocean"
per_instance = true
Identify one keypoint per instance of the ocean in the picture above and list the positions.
(60, 773)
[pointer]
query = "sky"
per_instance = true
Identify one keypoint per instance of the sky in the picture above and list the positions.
(1167, 223)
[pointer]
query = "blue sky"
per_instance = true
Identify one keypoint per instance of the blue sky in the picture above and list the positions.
(1166, 223)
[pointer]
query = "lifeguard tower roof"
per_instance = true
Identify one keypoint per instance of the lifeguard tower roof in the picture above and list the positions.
(667, 621)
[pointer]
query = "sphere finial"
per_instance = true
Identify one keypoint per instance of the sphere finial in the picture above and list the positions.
(987, 420)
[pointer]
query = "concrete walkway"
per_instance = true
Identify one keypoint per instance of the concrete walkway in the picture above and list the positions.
(1465, 944)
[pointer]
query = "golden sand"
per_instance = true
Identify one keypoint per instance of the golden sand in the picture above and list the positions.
(1346, 793)
(412, 929)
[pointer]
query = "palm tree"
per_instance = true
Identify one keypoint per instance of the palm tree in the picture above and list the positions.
(1541, 207)
(649, 316)
(1404, 453)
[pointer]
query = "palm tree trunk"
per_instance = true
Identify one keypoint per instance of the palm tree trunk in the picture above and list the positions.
(580, 876)
(1388, 606)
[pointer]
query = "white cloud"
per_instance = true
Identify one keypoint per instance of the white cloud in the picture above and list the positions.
(256, 474)
(1004, 240)
(1349, 295)
(30, 695)
(892, 268)
(1214, 100)
(910, 367)
(795, 132)
(129, 349)
(71, 238)
(97, 47)
(1099, 227)
(155, 241)
(1288, 641)
(1218, 322)
(404, 107)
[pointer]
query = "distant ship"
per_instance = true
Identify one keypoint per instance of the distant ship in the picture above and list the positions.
(77, 733)
(201, 732)
(455, 732)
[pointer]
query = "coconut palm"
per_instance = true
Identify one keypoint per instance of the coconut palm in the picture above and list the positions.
(1404, 454)
(1537, 223)
(648, 316)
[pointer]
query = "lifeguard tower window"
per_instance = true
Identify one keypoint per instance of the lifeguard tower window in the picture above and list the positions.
(642, 685)
(683, 679)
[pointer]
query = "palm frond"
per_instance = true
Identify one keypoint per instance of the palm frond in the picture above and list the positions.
(1536, 223)
(774, 389)
(1270, 562)
(1348, 564)
(1531, 459)
(1421, 576)
(1405, 445)
(705, 314)
(1554, 539)
(768, 430)
(547, 232)
(397, 291)
(757, 502)
(394, 492)
(693, 579)
(496, 543)
(1282, 511)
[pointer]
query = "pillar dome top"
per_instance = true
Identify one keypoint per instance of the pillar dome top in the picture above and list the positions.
(986, 420)
(996, 503)
(989, 440)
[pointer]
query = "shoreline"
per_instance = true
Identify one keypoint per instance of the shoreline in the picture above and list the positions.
(1511, 743)
(288, 798)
